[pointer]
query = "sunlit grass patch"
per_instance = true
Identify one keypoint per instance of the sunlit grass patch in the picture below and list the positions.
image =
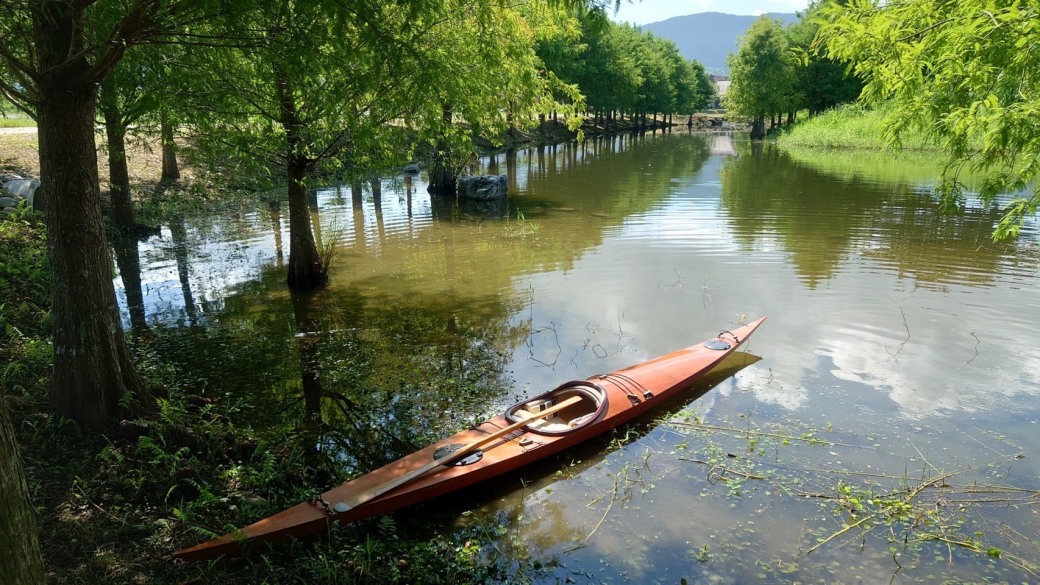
(15, 119)
(854, 127)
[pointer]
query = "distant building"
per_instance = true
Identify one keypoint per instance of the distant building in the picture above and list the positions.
(721, 89)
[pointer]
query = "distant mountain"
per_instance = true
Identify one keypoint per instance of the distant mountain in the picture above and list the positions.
(709, 36)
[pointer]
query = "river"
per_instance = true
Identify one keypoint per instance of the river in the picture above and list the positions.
(882, 428)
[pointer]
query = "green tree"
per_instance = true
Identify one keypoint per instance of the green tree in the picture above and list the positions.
(610, 76)
(483, 73)
(693, 89)
(761, 75)
(820, 82)
(656, 94)
(136, 91)
(441, 70)
(964, 71)
(51, 69)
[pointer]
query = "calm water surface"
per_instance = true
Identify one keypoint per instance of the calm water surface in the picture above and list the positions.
(900, 354)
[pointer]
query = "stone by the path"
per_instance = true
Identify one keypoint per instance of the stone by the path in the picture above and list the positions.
(16, 190)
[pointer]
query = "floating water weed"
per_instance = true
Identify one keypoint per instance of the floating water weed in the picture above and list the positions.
(908, 514)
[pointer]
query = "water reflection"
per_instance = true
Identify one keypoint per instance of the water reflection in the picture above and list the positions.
(128, 260)
(886, 320)
(629, 242)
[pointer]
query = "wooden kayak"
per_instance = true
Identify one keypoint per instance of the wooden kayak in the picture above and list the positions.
(525, 432)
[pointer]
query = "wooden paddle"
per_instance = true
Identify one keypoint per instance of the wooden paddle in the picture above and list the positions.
(376, 491)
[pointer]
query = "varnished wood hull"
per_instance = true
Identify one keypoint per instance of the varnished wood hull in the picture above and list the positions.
(629, 393)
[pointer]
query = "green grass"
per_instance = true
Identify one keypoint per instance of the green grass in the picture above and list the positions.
(852, 127)
(10, 118)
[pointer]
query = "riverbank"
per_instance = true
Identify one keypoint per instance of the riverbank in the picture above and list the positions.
(852, 127)
(556, 131)
(112, 508)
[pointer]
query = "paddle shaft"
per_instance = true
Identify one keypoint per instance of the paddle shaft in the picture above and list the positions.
(376, 491)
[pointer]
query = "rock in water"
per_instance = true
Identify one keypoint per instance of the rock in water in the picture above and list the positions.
(483, 187)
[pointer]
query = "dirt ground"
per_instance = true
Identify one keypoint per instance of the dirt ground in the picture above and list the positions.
(19, 154)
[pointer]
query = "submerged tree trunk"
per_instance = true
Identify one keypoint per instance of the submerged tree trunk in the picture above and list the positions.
(306, 270)
(170, 170)
(20, 559)
(94, 377)
(118, 173)
(442, 176)
(758, 127)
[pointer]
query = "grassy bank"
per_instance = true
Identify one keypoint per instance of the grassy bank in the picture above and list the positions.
(852, 127)
(113, 507)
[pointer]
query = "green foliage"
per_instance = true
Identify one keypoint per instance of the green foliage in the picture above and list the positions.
(820, 81)
(961, 71)
(622, 68)
(25, 362)
(24, 276)
(761, 74)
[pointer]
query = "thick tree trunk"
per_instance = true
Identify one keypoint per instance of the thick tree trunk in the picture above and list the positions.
(170, 170)
(118, 173)
(93, 373)
(306, 269)
(20, 559)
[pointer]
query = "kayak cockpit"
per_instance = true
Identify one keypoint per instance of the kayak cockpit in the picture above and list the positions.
(591, 406)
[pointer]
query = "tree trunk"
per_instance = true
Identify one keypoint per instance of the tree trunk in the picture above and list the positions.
(93, 373)
(170, 170)
(306, 270)
(442, 176)
(758, 127)
(20, 559)
(118, 173)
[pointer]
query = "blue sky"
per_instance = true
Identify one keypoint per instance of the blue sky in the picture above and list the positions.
(644, 11)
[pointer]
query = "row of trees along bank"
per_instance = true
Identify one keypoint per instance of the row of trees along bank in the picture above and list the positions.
(622, 69)
(292, 86)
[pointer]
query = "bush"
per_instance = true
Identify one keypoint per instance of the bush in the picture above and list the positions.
(24, 306)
